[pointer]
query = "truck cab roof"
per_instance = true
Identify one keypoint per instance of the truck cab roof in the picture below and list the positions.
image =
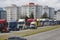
(21, 20)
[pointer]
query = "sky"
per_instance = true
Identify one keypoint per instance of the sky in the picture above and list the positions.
(51, 3)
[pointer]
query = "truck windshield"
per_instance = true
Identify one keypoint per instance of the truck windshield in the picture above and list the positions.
(20, 22)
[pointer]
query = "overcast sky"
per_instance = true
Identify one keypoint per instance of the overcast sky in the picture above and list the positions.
(51, 3)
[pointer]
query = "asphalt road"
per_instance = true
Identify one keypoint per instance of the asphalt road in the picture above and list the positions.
(49, 35)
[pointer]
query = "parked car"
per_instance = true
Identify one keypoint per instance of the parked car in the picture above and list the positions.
(16, 38)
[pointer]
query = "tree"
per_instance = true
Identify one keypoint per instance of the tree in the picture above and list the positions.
(31, 15)
(55, 12)
(26, 18)
(45, 15)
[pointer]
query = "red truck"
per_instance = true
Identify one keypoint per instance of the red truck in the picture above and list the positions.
(30, 20)
(3, 25)
(34, 21)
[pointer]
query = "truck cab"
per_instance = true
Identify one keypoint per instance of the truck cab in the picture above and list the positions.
(33, 25)
(3, 25)
(21, 23)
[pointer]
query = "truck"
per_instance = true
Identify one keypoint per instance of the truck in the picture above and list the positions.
(21, 24)
(3, 25)
(29, 21)
(12, 26)
(35, 21)
(33, 25)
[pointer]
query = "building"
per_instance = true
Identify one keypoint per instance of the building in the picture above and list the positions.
(12, 13)
(57, 16)
(39, 11)
(36, 10)
(50, 11)
(2, 14)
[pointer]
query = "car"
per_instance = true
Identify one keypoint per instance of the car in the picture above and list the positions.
(16, 38)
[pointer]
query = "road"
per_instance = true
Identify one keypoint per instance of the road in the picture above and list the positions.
(49, 35)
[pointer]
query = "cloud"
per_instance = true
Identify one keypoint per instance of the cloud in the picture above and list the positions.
(51, 3)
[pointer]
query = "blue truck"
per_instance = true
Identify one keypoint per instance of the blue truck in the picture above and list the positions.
(12, 26)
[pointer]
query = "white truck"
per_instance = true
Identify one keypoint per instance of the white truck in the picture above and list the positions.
(21, 24)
